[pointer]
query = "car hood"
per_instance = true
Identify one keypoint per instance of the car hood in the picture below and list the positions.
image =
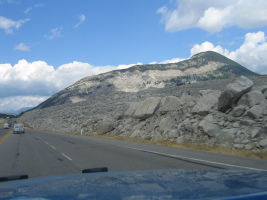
(147, 184)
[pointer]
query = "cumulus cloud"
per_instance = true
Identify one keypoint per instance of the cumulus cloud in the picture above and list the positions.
(251, 54)
(38, 80)
(22, 47)
(82, 19)
(9, 25)
(28, 83)
(128, 66)
(54, 33)
(213, 16)
(174, 60)
(17, 102)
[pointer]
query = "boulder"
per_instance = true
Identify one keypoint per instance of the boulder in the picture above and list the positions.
(255, 132)
(208, 100)
(233, 92)
(264, 91)
(169, 103)
(187, 99)
(208, 126)
(131, 110)
(239, 110)
(263, 143)
(166, 124)
(104, 126)
(251, 99)
(255, 112)
(226, 135)
(147, 108)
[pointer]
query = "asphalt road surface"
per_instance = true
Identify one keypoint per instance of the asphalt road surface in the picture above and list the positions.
(40, 153)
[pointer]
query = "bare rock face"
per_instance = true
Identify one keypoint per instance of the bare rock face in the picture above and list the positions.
(208, 126)
(169, 103)
(180, 114)
(147, 108)
(264, 91)
(239, 110)
(105, 125)
(208, 100)
(251, 99)
(233, 92)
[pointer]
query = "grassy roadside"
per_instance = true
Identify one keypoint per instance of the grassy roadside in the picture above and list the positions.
(214, 149)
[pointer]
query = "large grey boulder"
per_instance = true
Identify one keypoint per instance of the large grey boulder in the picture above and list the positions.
(226, 136)
(208, 100)
(187, 100)
(104, 126)
(208, 126)
(255, 112)
(166, 124)
(131, 110)
(251, 99)
(258, 111)
(264, 91)
(233, 92)
(169, 103)
(147, 108)
(239, 110)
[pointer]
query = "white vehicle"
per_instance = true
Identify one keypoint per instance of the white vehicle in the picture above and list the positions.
(18, 128)
(6, 125)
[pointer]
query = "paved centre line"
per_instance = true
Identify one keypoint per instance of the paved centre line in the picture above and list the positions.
(66, 156)
(5, 137)
(53, 147)
(188, 158)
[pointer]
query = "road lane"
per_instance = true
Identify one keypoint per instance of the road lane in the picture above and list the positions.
(40, 153)
(3, 132)
(24, 154)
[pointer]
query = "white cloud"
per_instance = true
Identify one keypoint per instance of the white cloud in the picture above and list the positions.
(82, 19)
(213, 16)
(54, 33)
(173, 60)
(17, 102)
(128, 66)
(30, 8)
(22, 47)
(251, 54)
(40, 80)
(8, 25)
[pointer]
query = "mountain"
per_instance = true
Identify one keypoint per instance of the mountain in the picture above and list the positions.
(16, 112)
(24, 109)
(150, 102)
(200, 67)
(2, 115)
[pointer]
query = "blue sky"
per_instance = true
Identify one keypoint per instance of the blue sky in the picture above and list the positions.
(47, 45)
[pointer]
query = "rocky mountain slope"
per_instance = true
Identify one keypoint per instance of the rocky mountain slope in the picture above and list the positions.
(226, 112)
(203, 66)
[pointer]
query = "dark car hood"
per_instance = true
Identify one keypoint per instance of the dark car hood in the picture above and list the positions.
(147, 184)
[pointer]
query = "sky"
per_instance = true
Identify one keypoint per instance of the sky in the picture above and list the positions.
(47, 45)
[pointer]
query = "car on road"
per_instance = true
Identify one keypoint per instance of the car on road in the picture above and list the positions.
(18, 128)
(6, 125)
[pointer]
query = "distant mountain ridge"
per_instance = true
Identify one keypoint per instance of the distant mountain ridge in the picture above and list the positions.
(203, 66)
(16, 112)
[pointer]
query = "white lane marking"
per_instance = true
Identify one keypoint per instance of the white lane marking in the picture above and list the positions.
(53, 147)
(175, 156)
(66, 156)
(46, 142)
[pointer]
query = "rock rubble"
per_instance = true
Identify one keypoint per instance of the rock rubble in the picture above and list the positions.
(232, 115)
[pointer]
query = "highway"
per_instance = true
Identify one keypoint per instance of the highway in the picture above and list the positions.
(41, 153)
